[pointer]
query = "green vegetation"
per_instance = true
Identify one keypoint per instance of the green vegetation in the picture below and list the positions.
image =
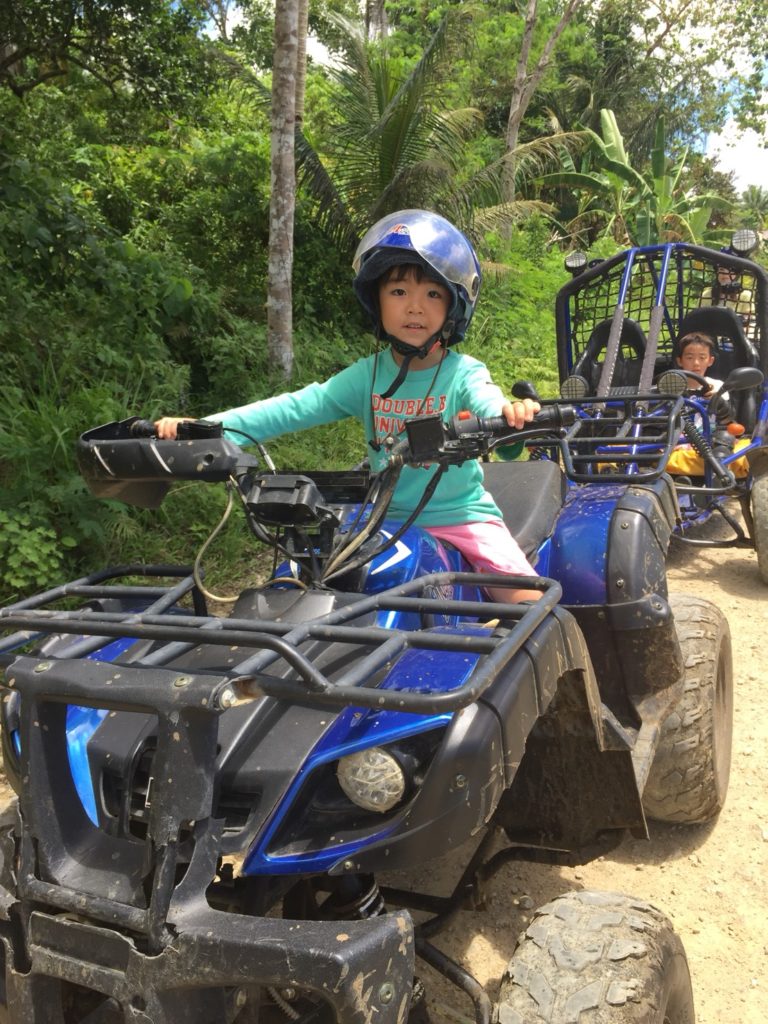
(134, 204)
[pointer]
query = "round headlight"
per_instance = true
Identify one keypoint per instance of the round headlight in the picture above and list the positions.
(575, 261)
(373, 779)
(672, 383)
(744, 241)
(574, 387)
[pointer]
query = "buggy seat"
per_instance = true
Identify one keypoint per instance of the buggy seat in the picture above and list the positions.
(628, 363)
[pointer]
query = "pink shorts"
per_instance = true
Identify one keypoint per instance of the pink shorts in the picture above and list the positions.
(487, 546)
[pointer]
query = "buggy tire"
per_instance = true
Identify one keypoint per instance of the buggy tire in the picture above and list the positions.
(759, 499)
(689, 776)
(597, 958)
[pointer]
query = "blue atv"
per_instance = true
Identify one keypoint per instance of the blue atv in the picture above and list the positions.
(208, 806)
(619, 322)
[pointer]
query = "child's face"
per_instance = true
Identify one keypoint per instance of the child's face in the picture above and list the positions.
(696, 357)
(413, 311)
(727, 277)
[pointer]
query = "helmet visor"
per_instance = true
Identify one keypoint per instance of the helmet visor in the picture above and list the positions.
(434, 239)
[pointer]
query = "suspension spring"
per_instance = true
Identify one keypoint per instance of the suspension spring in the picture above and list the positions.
(695, 436)
(357, 898)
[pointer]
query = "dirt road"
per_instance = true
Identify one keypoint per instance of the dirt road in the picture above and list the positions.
(710, 880)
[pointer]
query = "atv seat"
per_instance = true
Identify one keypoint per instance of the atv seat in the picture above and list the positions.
(530, 496)
(731, 350)
(628, 363)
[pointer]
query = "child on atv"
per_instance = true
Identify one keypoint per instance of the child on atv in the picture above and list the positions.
(418, 278)
(696, 354)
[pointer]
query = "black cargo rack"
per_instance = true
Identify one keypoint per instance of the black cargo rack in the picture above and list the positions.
(622, 438)
(278, 644)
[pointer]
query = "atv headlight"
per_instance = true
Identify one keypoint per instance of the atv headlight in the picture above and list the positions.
(373, 779)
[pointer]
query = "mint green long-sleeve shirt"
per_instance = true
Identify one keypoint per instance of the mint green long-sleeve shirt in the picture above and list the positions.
(461, 383)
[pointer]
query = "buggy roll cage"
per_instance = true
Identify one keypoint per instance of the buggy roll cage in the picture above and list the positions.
(655, 286)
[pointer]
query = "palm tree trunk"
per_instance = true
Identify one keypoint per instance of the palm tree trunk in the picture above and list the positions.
(283, 188)
(376, 23)
(301, 60)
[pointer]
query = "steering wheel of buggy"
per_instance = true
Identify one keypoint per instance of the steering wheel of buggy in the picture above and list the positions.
(704, 384)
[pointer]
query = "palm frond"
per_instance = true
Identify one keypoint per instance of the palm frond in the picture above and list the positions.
(333, 214)
(493, 218)
(237, 73)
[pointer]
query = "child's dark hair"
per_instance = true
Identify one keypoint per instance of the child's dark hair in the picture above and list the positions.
(696, 338)
(417, 270)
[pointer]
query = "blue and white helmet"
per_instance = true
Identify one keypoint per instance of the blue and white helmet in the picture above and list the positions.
(425, 238)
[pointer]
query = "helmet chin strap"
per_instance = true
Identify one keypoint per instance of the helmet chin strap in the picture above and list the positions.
(409, 353)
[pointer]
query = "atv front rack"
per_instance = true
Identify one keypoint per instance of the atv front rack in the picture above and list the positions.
(127, 918)
(622, 438)
(275, 664)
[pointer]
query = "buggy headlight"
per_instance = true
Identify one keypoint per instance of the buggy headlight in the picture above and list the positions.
(574, 387)
(575, 262)
(672, 383)
(373, 779)
(744, 241)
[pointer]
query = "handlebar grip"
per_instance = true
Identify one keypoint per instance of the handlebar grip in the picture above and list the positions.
(551, 417)
(142, 428)
(555, 416)
(187, 430)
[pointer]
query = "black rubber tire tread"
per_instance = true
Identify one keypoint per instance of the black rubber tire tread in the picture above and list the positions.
(688, 780)
(759, 497)
(597, 958)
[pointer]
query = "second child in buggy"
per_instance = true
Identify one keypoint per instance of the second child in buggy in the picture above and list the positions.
(696, 353)
(418, 278)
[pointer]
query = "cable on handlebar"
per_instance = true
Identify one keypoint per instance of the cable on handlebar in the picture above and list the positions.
(196, 576)
(335, 566)
(390, 476)
(429, 490)
(262, 450)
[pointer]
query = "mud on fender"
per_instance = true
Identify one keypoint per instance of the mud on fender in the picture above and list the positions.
(638, 540)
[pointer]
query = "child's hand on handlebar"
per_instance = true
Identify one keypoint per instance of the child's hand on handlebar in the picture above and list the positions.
(518, 413)
(166, 426)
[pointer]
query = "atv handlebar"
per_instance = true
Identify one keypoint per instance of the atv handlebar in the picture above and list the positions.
(187, 430)
(467, 436)
(551, 417)
(126, 460)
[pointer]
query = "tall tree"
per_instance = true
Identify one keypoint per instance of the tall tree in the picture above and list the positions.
(394, 142)
(283, 186)
(218, 11)
(527, 79)
(153, 46)
(301, 61)
(376, 23)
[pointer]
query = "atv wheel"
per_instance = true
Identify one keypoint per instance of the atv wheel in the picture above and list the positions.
(688, 779)
(760, 523)
(597, 958)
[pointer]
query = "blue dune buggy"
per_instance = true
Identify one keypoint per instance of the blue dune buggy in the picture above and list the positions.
(619, 321)
(208, 805)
